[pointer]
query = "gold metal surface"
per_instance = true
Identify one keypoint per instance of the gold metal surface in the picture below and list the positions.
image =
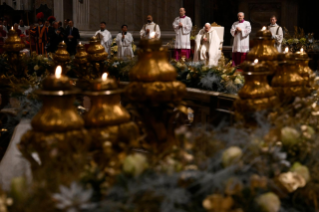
(302, 61)
(13, 43)
(62, 57)
(81, 61)
(97, 56)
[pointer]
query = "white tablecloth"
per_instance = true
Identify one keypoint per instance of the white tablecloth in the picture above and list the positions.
(13, 164)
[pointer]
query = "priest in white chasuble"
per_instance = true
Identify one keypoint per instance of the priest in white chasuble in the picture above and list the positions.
(124, 42)
(240, 31)
(183, 28)
(276, 32)
(150, 29)
(105, 37)
(207, 46)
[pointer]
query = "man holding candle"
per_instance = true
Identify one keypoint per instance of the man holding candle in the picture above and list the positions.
(105, 37)
(150, 29)
(240, 31)
(276, 32)
(124, 42)
(183, 28)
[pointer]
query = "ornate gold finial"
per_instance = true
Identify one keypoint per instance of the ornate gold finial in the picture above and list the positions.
(62, 57)
(215, 25)
(97, 56)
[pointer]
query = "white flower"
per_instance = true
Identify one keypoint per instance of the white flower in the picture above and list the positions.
(269, 202)
(301, 170)
(45, 59)
(237, 81)
(289, 136)
(74, 199)
(135, 164)
(231, 155)
(36, 67)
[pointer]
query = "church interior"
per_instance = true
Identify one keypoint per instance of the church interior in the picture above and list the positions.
(162, 106)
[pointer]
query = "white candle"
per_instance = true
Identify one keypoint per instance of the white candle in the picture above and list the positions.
(104, 76)
(80, 43)
(152, 35)
(256, 61)
(263, 29)
(11, 28)
(63, 41)
(301, 50)
(58, 72)
(286, 50)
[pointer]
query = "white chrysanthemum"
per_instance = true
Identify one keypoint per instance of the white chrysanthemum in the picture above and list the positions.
(301, 170)
(135, 164)
(231, 155)
(269, 202)
(289, 136)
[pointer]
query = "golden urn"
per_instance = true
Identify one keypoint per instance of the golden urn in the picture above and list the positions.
(109, 123)
(288, 82)
(81, 61)
(302, 62)
(12, 46)
(256, 94)
(58, 136)
(96, 56)
(62, 57)
(156, 96)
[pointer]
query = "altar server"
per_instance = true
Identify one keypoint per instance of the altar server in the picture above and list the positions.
(150, 29)
(183, 28)
(207, 46)
(124, 42)
(23, 28)
(276, 32)
(105, 37)
(240, 31)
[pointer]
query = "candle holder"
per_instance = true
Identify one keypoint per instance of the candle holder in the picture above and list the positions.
(81, 63)
(109, 123)
(12, 46)
(256, 94)
(288, 82)
(62, 57)
(302, 61)
(155, 95)
(58, 136)
(97, 57)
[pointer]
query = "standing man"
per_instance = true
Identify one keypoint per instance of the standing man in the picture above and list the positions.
(73, 36)
(16, 28)
(150, 29)
(105, 37)
(276, 32)
(183, 28)
(40, 35)
(55, 37)
(240, 31)
(6, 27)
(66, 23)
(207, 46)
(23, 28)
(124, 42)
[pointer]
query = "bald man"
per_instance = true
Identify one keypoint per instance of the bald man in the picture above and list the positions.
(183, 28)
(207, 46)
(240, 31)
(150, 29)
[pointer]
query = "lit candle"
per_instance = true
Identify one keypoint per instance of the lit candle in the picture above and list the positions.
(256, 61)
(152, 35)
(301, 50)
(104, 83)
(57, 81)
(11, 28)
(263, 29)
(58, 72)
(104, 77)
(286, 50)
(63, 41)
(80, 43)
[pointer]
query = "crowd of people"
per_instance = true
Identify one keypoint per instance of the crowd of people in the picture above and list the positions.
(47, 34)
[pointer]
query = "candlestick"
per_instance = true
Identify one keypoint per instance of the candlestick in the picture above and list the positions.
(57, 81)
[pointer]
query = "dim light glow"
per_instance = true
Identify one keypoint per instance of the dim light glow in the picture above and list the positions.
(263, 29)
(11, 28)
(58, 72)
(256, 61)
(80, 43)
(63, 41)
(286, 49)
(152, 34)
(104, 76)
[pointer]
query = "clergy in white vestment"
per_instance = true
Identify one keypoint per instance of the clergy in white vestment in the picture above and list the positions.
(23, 28)
(105, 37)
(276, 32)
(207, 46)
(240, 31)
(183, 28)
(124, 42)
(150, 29)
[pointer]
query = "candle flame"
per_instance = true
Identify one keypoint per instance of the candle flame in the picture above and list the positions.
(263, 29)
(58, 72)
(256, 61)
(63, 41)
(286, 49)
(104, 76)
(11, 28)
(301, 50)
(80, 43)
(152, 35)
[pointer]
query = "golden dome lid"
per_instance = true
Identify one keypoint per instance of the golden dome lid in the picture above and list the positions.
(264, 33)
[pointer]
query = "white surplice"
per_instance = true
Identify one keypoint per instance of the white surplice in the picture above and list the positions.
(153, 27)
(106, 40)
(124, 46)
(241, 39)
(207, 51)
(277, 34)
(24, 29)
(183, 33)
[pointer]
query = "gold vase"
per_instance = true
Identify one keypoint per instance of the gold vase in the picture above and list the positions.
(256, 94)
(62, 57)
(288, 82)
(81, 63)
(58, 137)
(96, 56)
(12, 46)
(109, 123)
(302, 62)
(156, 96)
